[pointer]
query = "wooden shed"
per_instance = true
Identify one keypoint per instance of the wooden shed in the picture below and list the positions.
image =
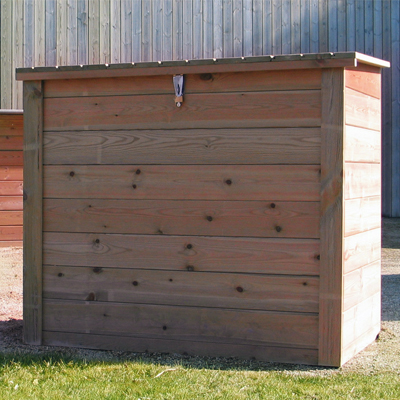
(11, 164)
(245, 222)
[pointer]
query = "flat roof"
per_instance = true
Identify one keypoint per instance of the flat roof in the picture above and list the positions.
(214, 65)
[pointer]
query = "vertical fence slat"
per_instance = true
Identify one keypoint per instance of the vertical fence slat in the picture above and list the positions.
(286, 27)
(126, 31)
(6, 54)
(208, 50)
(267, 27)
(218, 29)
(295, 18)
(247, 28)
(146, 31)
(360, 38)
(136, 30)
(228, 27)
(369, 28)
(257, 39)
(197, 42)
(61, 29)
(177, 36)
(82, 31)
(18, 52)
(40, 28)
(157, 29)
(377, 31)
(168, 31)
(277, 27)
(351, 25)
(237, 28)
(323, 26)
(305, 26)
(104, 31)
(51, 34)
(29, 33)
(333, 25)
(72, 33)
(94, 31)
(341, 25)
(314, 26)
(115, 34)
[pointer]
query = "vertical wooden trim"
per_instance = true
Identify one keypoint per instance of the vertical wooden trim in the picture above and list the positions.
(33, 131)
(331, 286)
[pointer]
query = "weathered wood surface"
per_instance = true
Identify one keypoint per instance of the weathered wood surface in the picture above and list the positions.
(145, 344)
(331, 290)
(186, 182)
(362, 180)
(155, 217)
(225, 110)
(11, 158)
(250, 255)
(185, 288)
(361, 249)
(33, 127)
(189, 146)
(362, 145)
(182, 323)
(11, 124)
(362, 215)
(8, 142)
(194, 83)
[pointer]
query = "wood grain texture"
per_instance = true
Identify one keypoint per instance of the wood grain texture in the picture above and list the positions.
(362, 215)
(365, 79)
(186, 182)
(11, 158)
(362, 110)
(182, 323)
(11, 124)
(11, 188)
(362, 180)
(33, 127)
(209, 218)
(143, 344)
(361, 284)
(362, 145)
(225, 110)
(11, 233)
(12, 203)
(194, 83)
(11, 142)
(361, 249)
(10, 218)
(11, 173)
(189, 146)
(185, 288)
(330, 314)
(11, 244)
(250, 255)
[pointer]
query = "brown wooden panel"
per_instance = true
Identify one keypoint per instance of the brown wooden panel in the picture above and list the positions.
(144, 344)
(225, 110)
(362, 110)
(186, 182)
(359, 320)
(181, 323)
(362, 180)
(11, 124)
(11, 188)
(11, 203)
(11, 233)
(33, 173)
(361, 284)
(185, 288)
(362, 145)
(330, 311)
(190, 146)
(272, 256)
(11, 244)
(365, 79)
(11, 158)
(10, 218)
(361, 249)
(209, 218)
(362, 215)
(194, 83)
(11, 173)
(9, 142)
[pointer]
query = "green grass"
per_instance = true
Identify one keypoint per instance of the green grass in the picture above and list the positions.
(59, 377)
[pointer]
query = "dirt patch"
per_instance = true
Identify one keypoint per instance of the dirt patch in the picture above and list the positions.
(382, 355)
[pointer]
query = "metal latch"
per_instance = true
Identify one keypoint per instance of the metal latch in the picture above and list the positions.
(178, 85)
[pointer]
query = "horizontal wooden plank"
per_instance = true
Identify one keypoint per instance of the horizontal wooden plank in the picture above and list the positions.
(186, 182)
(362, 110)
(184, 288)
(209, 218)
(10, 218)
(11, 203)
(9, 142)
(359, 320)
(190, 146)
(181, 323)
(361, 284)
(194, 83)
(144, 344)
(365, 79)
(361, 249)
(362, 215)
(225, 110)
(362, 145)
(11, 173)
(11, 233)
(362, 180)
(266, 256)
(11, 125)
(11, 158)
(11, 188)
(11, 244)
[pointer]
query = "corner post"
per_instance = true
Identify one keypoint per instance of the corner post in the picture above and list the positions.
(33, 172)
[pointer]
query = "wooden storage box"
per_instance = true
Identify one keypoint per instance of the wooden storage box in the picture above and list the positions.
(244, 223)
(11, 164)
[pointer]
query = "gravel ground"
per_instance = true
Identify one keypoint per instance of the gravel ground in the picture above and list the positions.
(382, 355)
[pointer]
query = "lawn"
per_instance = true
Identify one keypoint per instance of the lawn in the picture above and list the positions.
(148, 377)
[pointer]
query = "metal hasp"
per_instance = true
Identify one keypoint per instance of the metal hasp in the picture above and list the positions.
(178, 86)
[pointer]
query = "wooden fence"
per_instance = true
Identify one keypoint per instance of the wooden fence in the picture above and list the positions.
(70, 32)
